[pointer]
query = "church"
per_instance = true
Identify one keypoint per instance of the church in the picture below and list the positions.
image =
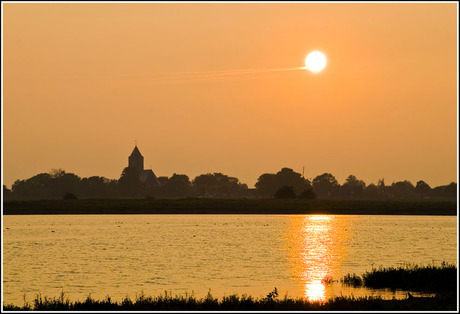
(146, 176)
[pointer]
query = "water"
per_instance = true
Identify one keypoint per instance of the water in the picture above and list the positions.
(124, 255)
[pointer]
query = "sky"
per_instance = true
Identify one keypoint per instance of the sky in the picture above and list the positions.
(83, 81)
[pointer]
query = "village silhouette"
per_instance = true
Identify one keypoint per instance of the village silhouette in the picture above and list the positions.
(137, 182)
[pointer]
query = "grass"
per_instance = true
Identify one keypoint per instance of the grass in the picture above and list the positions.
(235, 303)
(228, 206)
(431, 278)
(441, 280)
(352, 280)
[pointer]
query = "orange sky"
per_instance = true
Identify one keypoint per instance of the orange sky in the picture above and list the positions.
(81, 83)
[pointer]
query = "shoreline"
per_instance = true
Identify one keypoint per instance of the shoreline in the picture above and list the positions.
(200, 206)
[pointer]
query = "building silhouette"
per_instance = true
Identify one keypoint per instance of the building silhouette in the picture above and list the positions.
(136, 162)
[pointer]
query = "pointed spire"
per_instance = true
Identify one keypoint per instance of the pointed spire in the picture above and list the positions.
(136, 152)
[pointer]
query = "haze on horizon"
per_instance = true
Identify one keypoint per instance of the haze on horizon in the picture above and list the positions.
(80, 84)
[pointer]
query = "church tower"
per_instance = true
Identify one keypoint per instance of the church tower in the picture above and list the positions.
(136, 160)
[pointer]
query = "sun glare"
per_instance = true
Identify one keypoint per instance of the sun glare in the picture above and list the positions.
(315, 61)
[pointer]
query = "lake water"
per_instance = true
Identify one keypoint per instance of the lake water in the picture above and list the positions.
(124, 255)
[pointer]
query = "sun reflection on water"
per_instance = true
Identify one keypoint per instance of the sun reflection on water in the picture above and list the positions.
(316, 252)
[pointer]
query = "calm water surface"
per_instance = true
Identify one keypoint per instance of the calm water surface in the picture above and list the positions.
(124, 255)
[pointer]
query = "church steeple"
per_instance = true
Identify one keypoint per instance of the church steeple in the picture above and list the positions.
(136, 160)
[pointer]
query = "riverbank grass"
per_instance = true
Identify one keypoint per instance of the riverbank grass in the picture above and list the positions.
(440, 280)
(430, 278)
(236, 303)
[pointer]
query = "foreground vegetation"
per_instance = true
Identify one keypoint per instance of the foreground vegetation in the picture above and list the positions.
(229, 206)
(236, 303)
(441, 280)
(431, 278)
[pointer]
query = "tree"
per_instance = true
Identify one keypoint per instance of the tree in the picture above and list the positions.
(285, 192)
(129, 182)
(445, 191)
(353, 187)
(96, 187)
(372, 191)
(308, 194)
(403, 189)
(268, 183)
(56, 173)
(6, 192)
(36, 187)
(62, 183)
(177, 186)
(324, 185)
(218, 185)
(422, 189)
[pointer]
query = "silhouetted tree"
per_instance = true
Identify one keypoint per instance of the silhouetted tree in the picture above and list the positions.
(372, 191)
(268, 184)
(36, 187)
(6, 192)
(422, 189)
(285, 192)
(308, 194)
(96, 187)
(384, 190)
(352, 188)
(56, 173)
(57, 183)
(324, 185)
(403, 189)
(92, 186)
(130, 184)
(178, 185)
(218, 185)
(445, 191)
(62, 183)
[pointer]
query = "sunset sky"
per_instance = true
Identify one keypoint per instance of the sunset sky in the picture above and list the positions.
(83, 81)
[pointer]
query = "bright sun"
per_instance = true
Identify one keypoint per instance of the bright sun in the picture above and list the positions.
(315, 61)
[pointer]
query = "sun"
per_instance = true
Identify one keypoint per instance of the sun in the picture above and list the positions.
(315, 61)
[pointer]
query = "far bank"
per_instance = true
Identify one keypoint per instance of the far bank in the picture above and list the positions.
(229, 206)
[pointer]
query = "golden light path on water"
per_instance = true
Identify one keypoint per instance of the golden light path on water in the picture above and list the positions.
(316, 252)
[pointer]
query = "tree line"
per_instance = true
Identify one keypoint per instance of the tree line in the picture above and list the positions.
(286, 183)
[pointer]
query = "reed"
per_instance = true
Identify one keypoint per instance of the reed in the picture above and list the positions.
(272, 302)
(441, 280)
(352, 280)
(430, 278)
